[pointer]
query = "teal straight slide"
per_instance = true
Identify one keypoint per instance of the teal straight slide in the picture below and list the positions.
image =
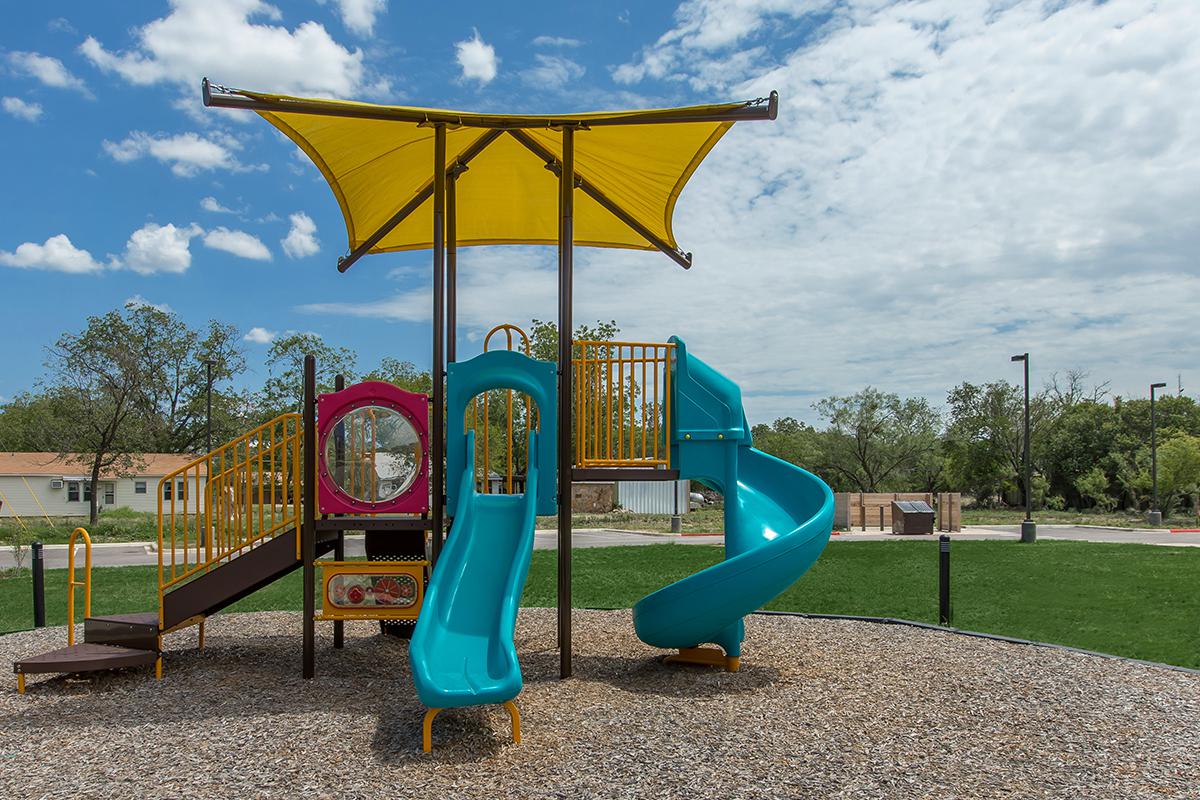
(778, 518)
(462, 651)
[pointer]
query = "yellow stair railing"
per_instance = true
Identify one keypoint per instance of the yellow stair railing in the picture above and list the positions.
(622, 403)
(222, 503)
(73, 584)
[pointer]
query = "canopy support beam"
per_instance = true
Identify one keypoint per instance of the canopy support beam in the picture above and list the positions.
(566, 246)
(439, 331)
(223, 97)
(475, 148)
(587, 187)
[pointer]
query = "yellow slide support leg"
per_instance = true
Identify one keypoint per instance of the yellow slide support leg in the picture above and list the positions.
(427, 729)
(515, 716)
(706, 656)
(20, 683)
(427, 725)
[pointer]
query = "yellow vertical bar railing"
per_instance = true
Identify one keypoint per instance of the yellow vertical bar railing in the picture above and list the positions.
(72, 584)
(218, 504)
(622, 403)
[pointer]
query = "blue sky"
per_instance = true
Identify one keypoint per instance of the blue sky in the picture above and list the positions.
(1025, 173)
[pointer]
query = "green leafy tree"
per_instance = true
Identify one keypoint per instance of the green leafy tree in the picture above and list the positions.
(103, 373)
(1179, 470)
(283, 391)
(790, 440)
(1093, 488)
(875, 439)
(175, 390)
(36, 422)
(984, 440)
(404, 374)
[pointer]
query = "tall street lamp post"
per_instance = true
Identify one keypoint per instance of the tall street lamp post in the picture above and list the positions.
(1155, 515)
(1028, 527)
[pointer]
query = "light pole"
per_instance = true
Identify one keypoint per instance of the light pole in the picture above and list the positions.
(1028, 527)
(1155, 515)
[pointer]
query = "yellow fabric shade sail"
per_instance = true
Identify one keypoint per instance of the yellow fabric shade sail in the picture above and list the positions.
(507, 195)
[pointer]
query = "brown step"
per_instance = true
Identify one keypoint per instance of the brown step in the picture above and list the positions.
(86, 657)
(137, 631)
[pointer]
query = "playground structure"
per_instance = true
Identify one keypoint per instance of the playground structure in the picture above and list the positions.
(403, 467)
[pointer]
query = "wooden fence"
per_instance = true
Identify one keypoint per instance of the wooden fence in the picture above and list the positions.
(873, 510)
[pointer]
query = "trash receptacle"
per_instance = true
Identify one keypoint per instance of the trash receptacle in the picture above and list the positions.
(911, 516)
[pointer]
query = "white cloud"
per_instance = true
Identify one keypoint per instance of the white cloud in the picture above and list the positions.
(552, 72)
(301, 239)
(211, 204)
(187, 154)
(50, 71)
(155, 248)
(947, 184)
(238, 243)
(477, 59)
(137, 301)
(260, 335)
(30, 112)
(556, 41)
(359, 15)
(57, 254)
(233, 41)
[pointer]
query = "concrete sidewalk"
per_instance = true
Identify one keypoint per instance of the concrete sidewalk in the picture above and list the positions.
(122, 554)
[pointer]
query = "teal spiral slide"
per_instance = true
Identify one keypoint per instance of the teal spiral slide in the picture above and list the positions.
(778, 518)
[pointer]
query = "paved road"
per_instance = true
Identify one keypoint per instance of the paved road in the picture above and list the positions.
(112, 555)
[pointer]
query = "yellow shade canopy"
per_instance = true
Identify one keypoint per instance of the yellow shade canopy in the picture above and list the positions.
(379, 160)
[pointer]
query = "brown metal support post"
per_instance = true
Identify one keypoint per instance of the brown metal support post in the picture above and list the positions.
(566, 237)
(438, 432)
(452, 267)
(339, 475)
(308, 525)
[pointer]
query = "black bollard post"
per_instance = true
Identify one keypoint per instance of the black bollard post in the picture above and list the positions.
(943, 580)
(39, 586)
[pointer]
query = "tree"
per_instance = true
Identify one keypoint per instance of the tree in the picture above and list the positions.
(790, 440)
(403, 374)
(175, 390)
(984, 447)
(543, 337)
(875, 438)
(1078, 442)
(283, 391)
(1093, 488)
(1179, 469)
(102, 373)
(35, 423)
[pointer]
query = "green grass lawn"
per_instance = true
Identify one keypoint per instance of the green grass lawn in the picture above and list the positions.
(1132, 600)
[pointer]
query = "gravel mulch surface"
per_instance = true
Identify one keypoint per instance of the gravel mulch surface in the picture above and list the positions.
(821, 708)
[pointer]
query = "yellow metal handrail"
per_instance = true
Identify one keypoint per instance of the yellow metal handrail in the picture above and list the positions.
(622, 403)
(226, 501)
(72, 584)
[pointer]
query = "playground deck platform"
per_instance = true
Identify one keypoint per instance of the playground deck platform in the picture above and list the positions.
(821, 708)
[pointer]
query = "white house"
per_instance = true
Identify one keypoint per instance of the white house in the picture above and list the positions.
(37, 484)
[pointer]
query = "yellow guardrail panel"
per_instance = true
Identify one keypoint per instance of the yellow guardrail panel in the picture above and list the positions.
(221, 503)
(622, 403)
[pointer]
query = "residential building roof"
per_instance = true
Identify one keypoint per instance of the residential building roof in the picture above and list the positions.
(78, 464)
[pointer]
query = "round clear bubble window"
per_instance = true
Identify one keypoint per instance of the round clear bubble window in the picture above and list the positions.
(373, 454)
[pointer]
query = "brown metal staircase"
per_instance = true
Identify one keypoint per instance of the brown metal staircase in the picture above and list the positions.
(228, 525)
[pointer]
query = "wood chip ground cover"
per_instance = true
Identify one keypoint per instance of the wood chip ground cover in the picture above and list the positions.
(821, 708)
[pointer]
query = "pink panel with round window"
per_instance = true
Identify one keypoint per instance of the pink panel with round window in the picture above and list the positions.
(373, 445)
